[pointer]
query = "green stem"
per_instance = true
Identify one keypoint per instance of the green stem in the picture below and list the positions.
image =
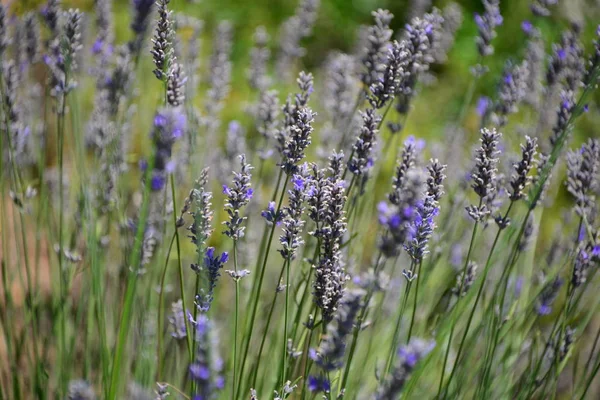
(159, 319)
(414, 310)
(181, 277)
(132, 277)
(477, 298)
(285, 320)
(394, 344)
(237, 308)
(462, 282)
(256, 293)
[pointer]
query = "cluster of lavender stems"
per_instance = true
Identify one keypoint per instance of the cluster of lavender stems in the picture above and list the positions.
(468, 293)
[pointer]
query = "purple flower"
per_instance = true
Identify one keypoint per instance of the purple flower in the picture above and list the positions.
(483, 105)
(527, 26)
(199, 372)
(157, 182)
(271, 214)
(318, 384)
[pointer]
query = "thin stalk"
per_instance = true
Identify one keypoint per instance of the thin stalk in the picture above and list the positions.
(62, 284)
(181, 277)
(237, 308)
(462, 282)
(414, 310)
(359, 322)
(477, 298)
(306, 361)
(285, 320)
(401, 310)
(132, 277)
(262, 269)
(159, 319)
(268, 324)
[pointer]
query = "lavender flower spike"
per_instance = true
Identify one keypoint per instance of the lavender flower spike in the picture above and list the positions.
(541, 8)
(207, 367)
(162, 49)
(377, 41)
(291, 238)
(408, 357)
(238, 196)
(362, 158)
(296, 28)
(582, 175)
(486, 25)
(421, 229)
(520, 178)
(330, 354)
(330, 275)
(484, 175)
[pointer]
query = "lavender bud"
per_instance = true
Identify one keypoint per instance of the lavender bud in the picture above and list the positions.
(4, 37)
(52, 14)
(466, 280)
(336, 164)
(398, 219)
(566, 61)
(271, 215)
(176, 85)
(421, 229)
(298, 139)
(435, 180)
(266, 114)
(486, 26)
(169, 125)
(142, 9)
(330, 276)
(377, 43)
(219, 72)
(201, 211)
(293, 30)
(511, 92)
(540, 8)
(318, 199)
(418, 45)
(484, 174)
(207, 367)
(80, 390)
(362, 158)
(339, 89)
(561, 131)
(104, 26)
(329, 356)
(582, 175)
(408, 357)
(32, 37)
(535, 57)
(452, 20)
(291, 238)
(594, 62)
(259, 57)
(72, 41)
(177, 320)
(520, 178)
(405, 163)
(548, 295)
(384, 89)
(582, 264)
(527, 233)
(238, 196)
(162, 49)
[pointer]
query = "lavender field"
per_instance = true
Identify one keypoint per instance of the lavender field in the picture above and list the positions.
(336, 203)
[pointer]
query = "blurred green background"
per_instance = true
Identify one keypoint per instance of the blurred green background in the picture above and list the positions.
(337, 26)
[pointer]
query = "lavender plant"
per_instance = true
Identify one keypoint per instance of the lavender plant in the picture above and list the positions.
(478, 284)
